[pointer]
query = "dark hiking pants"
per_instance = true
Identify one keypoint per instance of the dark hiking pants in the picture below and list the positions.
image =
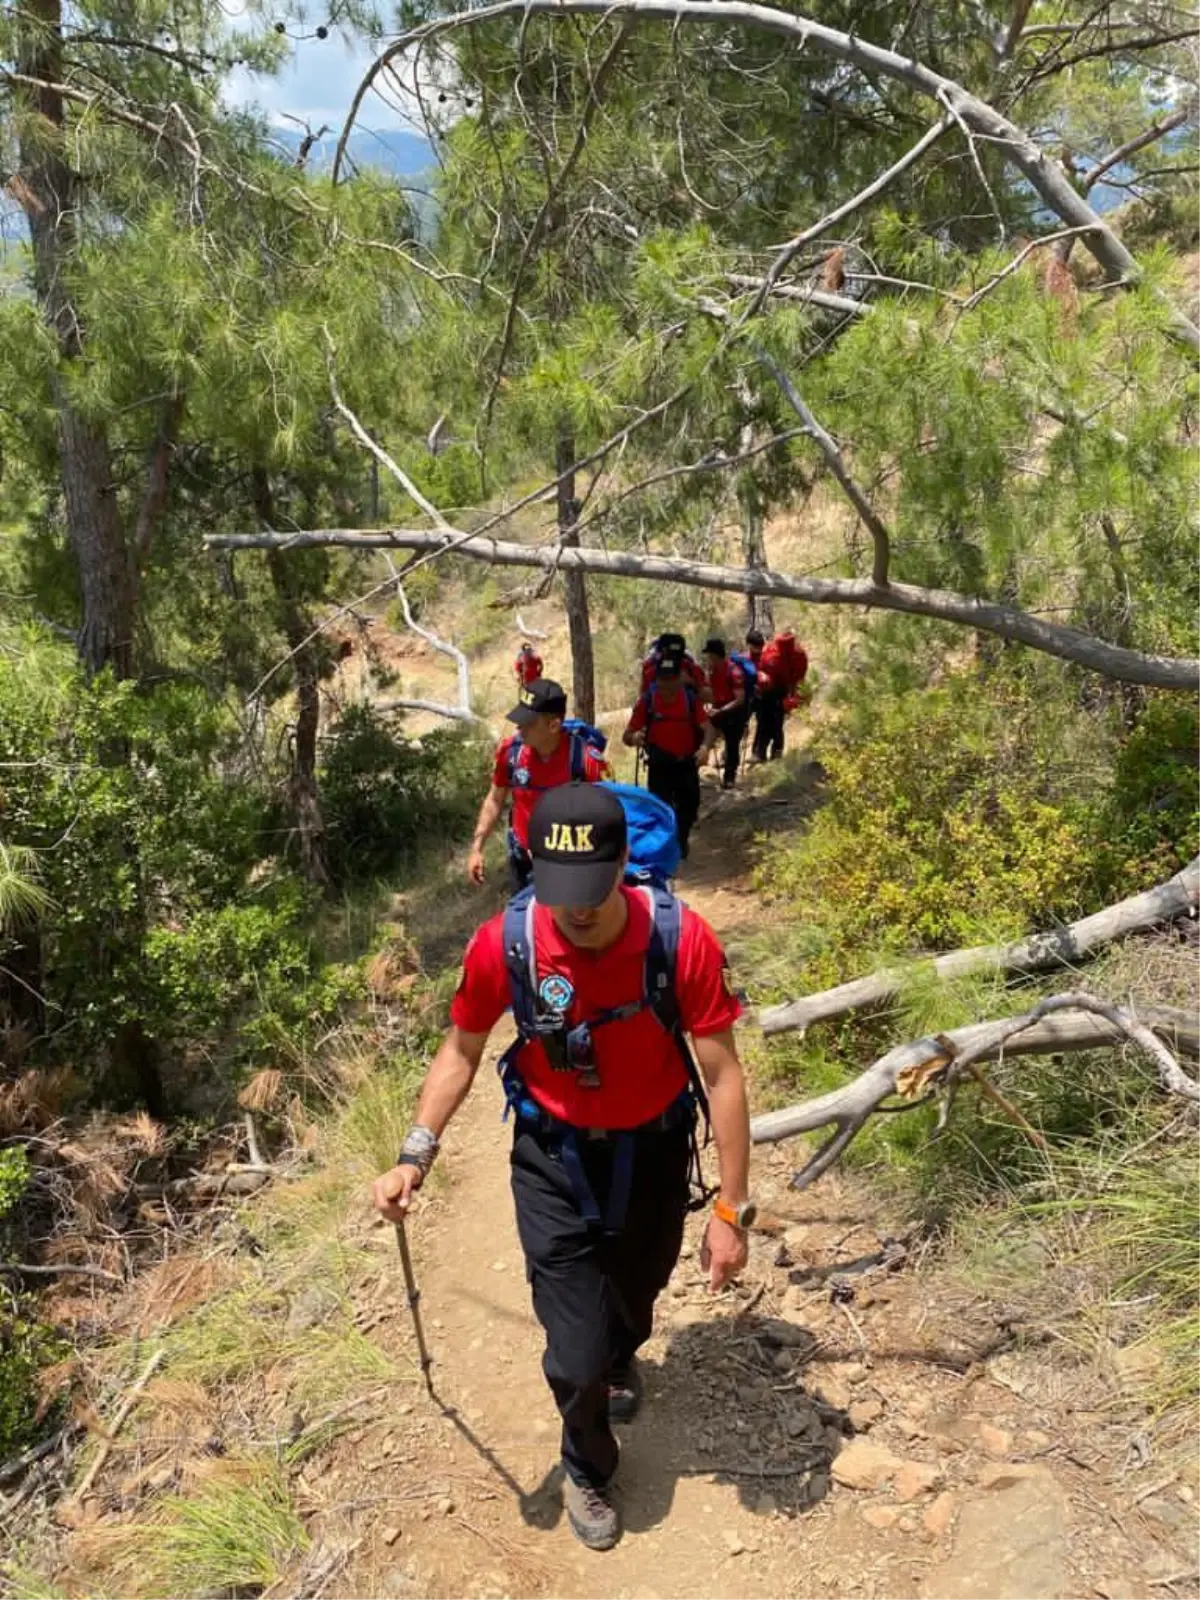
(595, 1295)
(731, 726)
(768, 725)
(675, 779)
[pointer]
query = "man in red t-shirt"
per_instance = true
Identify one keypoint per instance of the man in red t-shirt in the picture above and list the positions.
(539, 756)
(674, 644)
(781, 671)
(728, 711)
(605, 1117)
(527, 666)
(669, 721)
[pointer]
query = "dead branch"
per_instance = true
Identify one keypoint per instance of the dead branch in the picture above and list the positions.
(877, 185)
(380, 454)
(1062, 1024)
(80, 1269)
(1045, 176)
(987, 616)
(809, 294)
(435, 708)
(1059, 947)
(442, 645)
(527, 632)
(827, 445)
(118, 1422)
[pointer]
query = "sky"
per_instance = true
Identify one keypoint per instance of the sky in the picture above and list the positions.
(317, 84)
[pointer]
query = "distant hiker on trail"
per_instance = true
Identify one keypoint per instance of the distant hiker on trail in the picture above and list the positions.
(605, 1091)
(547, 750)
(673, 644)
(781, 670)
(669, 721)
(729, 680)
(528, 666)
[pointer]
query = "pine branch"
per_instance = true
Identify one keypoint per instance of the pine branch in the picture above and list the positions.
(1045, 176)
(986, 616)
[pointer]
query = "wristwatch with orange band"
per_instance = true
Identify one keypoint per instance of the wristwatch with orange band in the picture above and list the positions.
(739, 1216)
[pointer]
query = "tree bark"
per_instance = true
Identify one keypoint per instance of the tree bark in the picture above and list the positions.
(759, 612)
(1056, 639)
(583, 671)
(297, 628)
(48, 193)
(1176, 898)
(1060, 1024)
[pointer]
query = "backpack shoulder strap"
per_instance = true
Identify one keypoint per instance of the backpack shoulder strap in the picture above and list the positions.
(578, 757)
(662, 951)
(515, 745)
(520, 957)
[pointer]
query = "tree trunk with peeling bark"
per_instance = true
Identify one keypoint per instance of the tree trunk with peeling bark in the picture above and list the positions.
(583, 672)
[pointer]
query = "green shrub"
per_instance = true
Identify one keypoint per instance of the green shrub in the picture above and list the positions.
(1152, 816)
(384, 796)
(950, 817)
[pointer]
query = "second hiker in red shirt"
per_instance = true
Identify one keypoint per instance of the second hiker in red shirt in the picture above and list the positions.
(528, 666)
(669, 721)
(781, 670)
(541, 755)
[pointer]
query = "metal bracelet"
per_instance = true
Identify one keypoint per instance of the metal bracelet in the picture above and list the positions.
(419, 1149)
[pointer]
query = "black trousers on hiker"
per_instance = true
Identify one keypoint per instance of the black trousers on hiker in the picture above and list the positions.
(675, 779)
(768, 725)
(595, 1295)
(731, 725)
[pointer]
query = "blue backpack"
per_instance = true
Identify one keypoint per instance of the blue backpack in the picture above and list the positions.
(748, 668)
(653, 835)
(591, 735)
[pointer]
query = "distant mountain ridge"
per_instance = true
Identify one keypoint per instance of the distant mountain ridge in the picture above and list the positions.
(391, 150)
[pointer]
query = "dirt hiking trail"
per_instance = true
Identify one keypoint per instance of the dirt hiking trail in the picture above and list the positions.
(840, 1424)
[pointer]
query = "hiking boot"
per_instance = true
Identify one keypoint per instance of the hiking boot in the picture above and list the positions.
(594, 1522)
(624, 1393)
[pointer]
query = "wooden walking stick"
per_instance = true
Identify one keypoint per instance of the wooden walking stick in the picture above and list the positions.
(414, 1296)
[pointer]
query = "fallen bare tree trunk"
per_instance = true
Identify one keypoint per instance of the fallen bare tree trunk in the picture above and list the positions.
(987, 616)
(1059, 947)
(1063, 1023)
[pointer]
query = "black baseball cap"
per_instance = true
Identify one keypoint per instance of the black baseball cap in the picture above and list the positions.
(577, 838)
(542, 697)
(670, 659)
(715, 647)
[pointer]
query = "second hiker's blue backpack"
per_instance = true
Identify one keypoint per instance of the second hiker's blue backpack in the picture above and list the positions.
(591, 735)
(748, 668)
(653, 836)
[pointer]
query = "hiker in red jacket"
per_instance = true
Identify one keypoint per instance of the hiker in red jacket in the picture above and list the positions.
(605, 1101)
(674, 643)
(729, 708)
(541, 755)
(781, 671)
(528, 666)
(669, 721)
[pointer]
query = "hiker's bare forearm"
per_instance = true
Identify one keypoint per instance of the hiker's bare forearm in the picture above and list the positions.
(490, 813)
(449, 1079)
(717, 1057)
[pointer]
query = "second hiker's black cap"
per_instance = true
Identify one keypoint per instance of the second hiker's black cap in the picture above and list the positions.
(714, 647)
(542, 697)
(577, 838)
